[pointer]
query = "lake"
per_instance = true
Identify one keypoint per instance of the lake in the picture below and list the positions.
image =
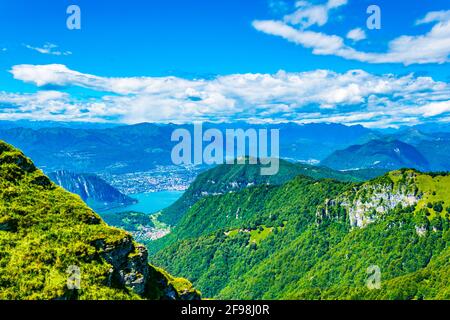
(150, 202)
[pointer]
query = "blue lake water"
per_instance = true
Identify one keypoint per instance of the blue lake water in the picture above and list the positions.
(149, 202)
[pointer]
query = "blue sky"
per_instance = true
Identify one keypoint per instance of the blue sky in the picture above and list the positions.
(61, 74)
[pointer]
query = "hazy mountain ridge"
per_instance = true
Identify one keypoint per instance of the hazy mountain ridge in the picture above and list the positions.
(381, 154)
(101, 150)
(227, 178)
(96, 192)
(94, 150)
(408, 148)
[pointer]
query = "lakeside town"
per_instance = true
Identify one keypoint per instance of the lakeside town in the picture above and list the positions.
(162, 178)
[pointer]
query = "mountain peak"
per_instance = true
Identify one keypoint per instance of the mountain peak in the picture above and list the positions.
(388, 154)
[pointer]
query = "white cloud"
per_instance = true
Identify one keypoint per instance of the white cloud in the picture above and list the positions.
(51, 105)
(356, 34)
(38, 97)
(320, 43)
(435, 16)
(278, 6)
(431, 47)
(434, 108)
(315, 96)
(49, 48)
(308, 15)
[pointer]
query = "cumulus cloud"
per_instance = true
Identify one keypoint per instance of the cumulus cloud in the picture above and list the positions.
(308, 15)
(435, 16)
(49, 48)
(278, 6)
(315, 96)
(321, 43)
(431, 47)
(356, 34)
(51, 105)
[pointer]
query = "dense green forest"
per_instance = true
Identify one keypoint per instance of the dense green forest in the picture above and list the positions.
(49, 236)
(231, 178)
(316, 239)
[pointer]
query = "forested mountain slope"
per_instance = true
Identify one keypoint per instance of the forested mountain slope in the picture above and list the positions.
(227, 178)
(317, 239)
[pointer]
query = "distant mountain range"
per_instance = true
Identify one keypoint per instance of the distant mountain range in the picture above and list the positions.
(118, 150)
(433, 127)
(380, 154)
(142, 147)
(31, 124)
(405, 149)
(94, 191)
(115, 150)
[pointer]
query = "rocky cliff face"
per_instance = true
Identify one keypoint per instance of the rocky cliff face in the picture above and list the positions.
(130, 268)
(46, 231)
(371, 200)
(96, 192)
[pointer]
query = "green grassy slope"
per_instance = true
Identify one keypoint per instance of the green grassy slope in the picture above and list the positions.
(45, 231)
